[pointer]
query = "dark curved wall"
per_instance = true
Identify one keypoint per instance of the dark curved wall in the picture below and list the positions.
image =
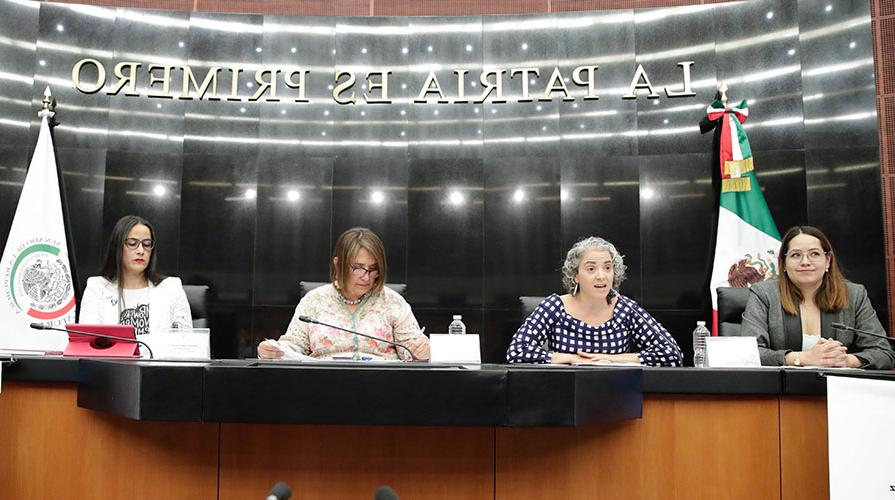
(582, 167)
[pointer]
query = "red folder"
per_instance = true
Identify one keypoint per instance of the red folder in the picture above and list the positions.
(86, 346)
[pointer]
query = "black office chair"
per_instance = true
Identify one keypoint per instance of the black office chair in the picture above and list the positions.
(731, 305)
(528, 303)
(307, 286)
(196, 295)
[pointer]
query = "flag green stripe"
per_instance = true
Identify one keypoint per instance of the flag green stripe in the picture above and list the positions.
(28, 251)
(745, 149)
(751, 207)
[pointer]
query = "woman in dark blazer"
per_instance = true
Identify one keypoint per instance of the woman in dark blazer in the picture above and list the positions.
(792, 316)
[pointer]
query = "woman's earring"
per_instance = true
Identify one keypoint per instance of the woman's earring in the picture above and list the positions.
(575, 290)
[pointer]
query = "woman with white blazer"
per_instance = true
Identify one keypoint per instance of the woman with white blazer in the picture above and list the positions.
(129, 290)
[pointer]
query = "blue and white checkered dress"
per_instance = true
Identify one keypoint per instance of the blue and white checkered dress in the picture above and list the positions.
(550, 328)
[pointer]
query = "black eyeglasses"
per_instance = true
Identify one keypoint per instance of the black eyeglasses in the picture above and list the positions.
(358, 271)
(133, 243)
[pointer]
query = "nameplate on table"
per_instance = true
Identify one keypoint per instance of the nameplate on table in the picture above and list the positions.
(179, 343)
(446, 348)
(732, 352)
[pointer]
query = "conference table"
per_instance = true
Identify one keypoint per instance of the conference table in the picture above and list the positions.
(222, 429)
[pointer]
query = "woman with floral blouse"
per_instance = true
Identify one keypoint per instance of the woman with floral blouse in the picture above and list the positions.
(357, 299)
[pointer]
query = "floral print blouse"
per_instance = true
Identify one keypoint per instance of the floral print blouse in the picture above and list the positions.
(384, 315)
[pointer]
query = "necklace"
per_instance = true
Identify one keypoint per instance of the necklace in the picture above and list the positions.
(349, 302)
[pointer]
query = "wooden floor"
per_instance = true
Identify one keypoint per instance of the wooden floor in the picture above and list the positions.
(684, 447)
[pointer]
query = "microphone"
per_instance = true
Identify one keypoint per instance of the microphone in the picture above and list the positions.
(384, 493)
(280, 491)
(840, 326)
(99, 336)
(308, 319)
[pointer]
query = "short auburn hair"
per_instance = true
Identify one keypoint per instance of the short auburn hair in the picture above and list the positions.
(831, 296)
(347, 246)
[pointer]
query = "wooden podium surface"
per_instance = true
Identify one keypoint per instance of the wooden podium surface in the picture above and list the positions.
(686, 446)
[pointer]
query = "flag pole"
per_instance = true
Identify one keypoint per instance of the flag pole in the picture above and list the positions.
(49, 110)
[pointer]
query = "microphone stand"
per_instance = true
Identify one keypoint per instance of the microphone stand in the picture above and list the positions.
(841, 326)
(308, 319)
(38, 326)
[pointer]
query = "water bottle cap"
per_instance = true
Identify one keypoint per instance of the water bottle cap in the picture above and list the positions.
(700, 323)
(457, 316)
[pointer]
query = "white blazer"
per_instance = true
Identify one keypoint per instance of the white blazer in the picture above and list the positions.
(168, 307)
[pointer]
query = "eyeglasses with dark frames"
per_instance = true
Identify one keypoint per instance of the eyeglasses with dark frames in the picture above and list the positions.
(359, 271)
(133, 243)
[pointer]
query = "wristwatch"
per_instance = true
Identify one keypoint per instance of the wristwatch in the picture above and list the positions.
(796, 360)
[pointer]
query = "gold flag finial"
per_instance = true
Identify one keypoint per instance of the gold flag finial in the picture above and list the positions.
(722, 87)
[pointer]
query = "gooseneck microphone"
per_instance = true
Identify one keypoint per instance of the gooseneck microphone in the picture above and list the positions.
(308, 319)
(41, 326)
(280, 491)
(840, 326)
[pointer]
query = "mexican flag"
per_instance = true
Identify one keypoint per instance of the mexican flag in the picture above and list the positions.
(747, 242)
(36, 273)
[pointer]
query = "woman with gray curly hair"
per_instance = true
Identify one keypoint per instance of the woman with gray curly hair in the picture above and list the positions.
(593, 323)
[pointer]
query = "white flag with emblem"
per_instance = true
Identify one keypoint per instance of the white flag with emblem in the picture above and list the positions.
(37, 278)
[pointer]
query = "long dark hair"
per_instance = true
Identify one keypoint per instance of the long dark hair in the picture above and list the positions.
(113, 267)
(832, 295)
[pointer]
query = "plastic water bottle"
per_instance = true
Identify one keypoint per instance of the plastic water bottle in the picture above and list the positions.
(699, 335)
(457, 326)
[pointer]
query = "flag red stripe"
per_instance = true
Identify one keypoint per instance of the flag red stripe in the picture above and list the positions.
(714, 322)
(726, 153)
(52, 314)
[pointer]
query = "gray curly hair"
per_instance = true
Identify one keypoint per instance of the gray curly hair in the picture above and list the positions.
(573, 260)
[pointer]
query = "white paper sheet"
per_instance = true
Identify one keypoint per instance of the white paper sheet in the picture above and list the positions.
(861, 439)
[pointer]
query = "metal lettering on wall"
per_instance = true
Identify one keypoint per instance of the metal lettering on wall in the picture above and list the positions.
(126, 74)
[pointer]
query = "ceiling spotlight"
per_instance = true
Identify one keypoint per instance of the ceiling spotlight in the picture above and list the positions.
(456, 198)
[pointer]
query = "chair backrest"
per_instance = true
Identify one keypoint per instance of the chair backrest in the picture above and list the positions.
(731, 305)
(528, 303)
(196, 296)
(307, 286)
